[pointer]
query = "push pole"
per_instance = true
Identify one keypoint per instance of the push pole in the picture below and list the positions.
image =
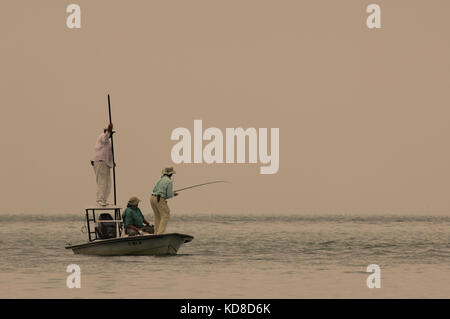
(112, 150)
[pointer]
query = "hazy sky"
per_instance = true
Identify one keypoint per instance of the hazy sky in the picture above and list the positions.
(363, 114)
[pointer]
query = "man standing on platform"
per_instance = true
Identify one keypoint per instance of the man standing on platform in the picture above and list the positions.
(102, 163)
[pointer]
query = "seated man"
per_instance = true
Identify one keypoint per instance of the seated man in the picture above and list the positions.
(133, 219)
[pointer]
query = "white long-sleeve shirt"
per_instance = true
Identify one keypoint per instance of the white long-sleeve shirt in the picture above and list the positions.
(103, 149)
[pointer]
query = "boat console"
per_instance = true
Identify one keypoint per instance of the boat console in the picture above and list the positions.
(106, 222)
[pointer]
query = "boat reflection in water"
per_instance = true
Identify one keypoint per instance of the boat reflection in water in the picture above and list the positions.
(107, 238)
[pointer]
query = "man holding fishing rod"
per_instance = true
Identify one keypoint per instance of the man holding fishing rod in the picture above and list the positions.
(162, 191)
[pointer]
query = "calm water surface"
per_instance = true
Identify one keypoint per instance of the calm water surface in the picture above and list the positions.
(236, 257)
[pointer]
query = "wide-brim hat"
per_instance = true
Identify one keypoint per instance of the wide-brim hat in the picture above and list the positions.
(168, 171)
(133, 200)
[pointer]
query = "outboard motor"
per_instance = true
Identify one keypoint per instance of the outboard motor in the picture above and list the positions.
(105, 230)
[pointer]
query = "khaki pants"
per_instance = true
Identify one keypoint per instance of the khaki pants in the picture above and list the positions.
(147, 229)
(103, 178)
(162, 214)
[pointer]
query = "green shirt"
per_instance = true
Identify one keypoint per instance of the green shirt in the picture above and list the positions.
(163, 187)
(132, 217)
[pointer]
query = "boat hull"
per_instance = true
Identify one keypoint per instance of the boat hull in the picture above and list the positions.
(164, 244)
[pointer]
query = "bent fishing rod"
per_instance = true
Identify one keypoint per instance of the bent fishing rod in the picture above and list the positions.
(198, 185)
